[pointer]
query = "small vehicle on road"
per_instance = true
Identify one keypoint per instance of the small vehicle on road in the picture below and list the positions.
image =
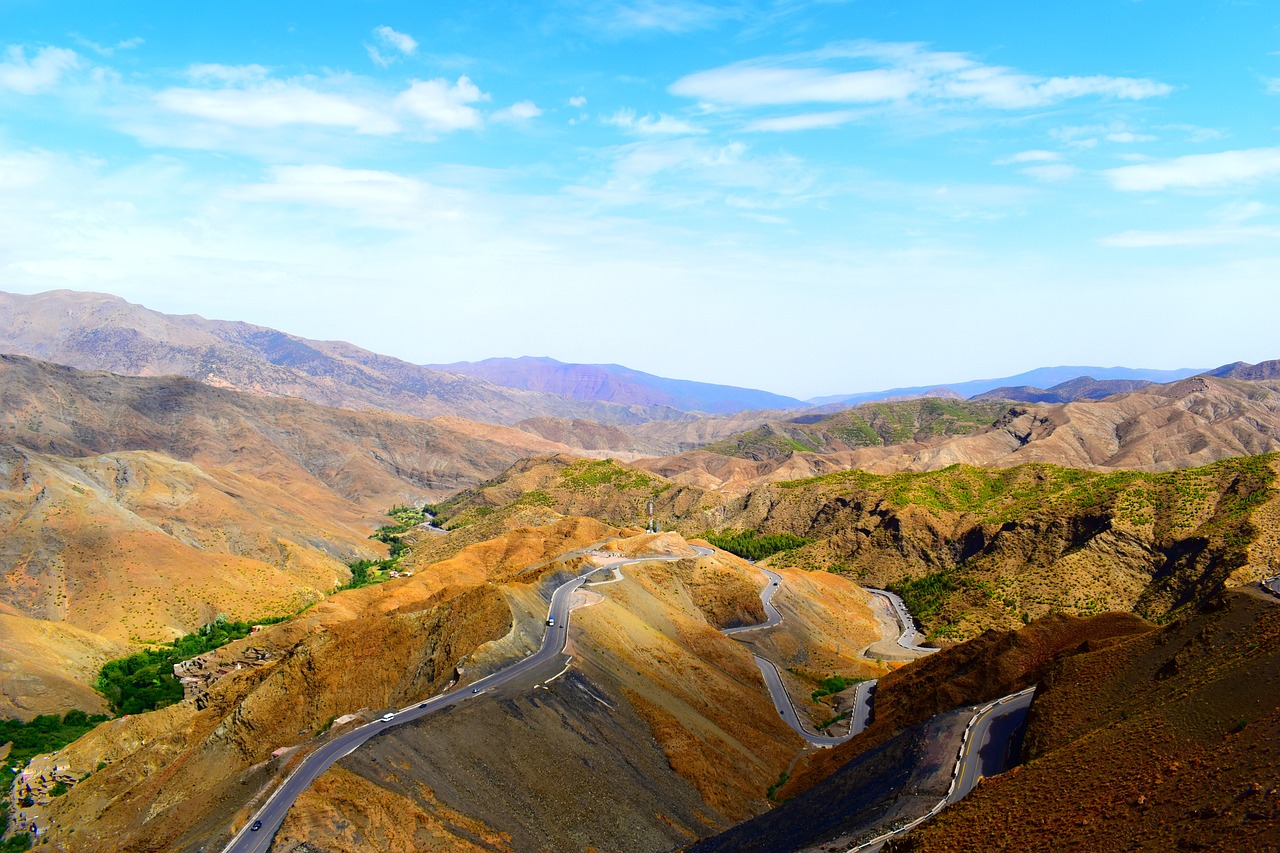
(423, 705)
(475, 689)
(257, 824)
(388, 717)
(551, 621)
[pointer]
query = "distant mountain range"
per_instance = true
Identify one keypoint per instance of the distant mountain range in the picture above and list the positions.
(1041, 377)
(614, 383)
(95, 331)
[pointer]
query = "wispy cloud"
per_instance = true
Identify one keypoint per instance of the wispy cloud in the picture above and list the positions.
(670, 16)
(38, 74)
(390, 40)
(801, 121)
(1033, 156)
(517, 112)
(1272, 84)
(1215, 235)
(577, 101)
(1051, 173)
(266, 103)
(893, 73)
(1198, 171)
(108, 50)
(647, 125)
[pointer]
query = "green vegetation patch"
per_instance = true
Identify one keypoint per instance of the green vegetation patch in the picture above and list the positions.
(366, 572)
(590, 473)
(754, 546)
(925, 596)
(832, 685)
(45, 733)
(144, 681)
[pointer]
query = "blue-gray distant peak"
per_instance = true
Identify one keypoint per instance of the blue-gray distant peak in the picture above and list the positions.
(1041, 377)
(614, 383)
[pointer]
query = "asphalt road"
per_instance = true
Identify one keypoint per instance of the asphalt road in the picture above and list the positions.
(987, 749)
(272, 814)
(1272, 585)
(992, 742)
(909, 633)
(772, 616)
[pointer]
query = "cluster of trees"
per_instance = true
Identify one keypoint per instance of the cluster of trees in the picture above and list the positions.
(45, 733)
(144, 681)
(753, 546)
(365, 572)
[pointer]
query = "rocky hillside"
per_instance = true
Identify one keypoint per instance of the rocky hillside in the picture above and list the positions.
(613, 383)
(868, 425)
(1157, 428)
(1169, 738)
(856, 790)
(970, 548)
(95, 331)
(658, 701)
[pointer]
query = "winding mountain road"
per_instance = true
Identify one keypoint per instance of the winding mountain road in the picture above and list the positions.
(272, 814)
(861, 714)
(907, 639)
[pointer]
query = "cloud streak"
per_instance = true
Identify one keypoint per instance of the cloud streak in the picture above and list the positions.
(1198, 171)
(896, 73)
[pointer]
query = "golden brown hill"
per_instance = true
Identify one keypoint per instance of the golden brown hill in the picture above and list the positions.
(1158, 428)
(95, 331)
(176, 776)
(138, 509)
(1164, 742)
(659, 703)
(372, 459)
(659, 731)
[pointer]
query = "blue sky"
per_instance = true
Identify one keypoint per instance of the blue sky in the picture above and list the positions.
(808, 197)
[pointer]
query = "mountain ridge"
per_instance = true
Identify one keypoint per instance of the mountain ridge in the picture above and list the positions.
(616, 383)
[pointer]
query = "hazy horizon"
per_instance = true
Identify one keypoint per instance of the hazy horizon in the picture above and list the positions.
(807, 198)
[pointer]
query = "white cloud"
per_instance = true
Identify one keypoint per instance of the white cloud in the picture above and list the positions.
(442, 105)
(663, 125)
(355, 189)
(1033, 156)
(577, 101)
(38, 74)
(1273, 85)
(402, 42)
(899, 72)
(391, 40)
(1198, 171)
(803, 121)
(273, 103)
(517, 112)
